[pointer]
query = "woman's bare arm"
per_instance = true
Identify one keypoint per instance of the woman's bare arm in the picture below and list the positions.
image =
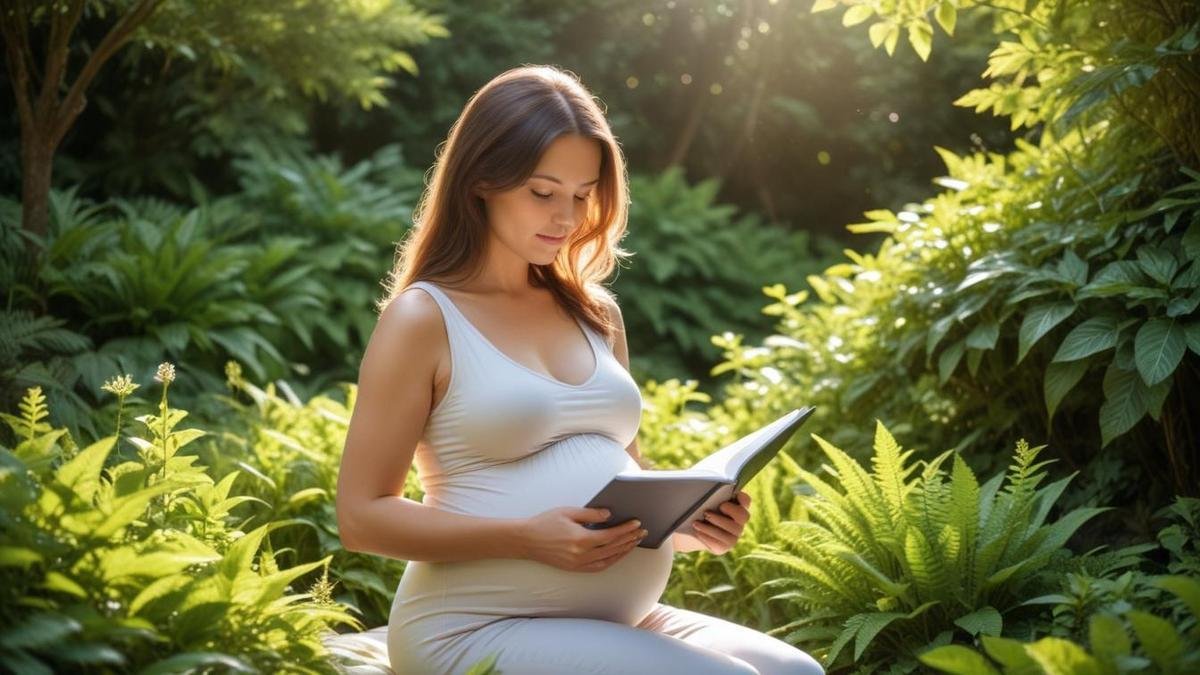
(682, 543)
(393, 403)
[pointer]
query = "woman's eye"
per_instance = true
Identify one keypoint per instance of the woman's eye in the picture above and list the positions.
(548, 196)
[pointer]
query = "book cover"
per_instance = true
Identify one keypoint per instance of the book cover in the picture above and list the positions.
(670, 500)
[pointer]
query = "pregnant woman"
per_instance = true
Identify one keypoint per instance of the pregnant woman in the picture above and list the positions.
(499, 366)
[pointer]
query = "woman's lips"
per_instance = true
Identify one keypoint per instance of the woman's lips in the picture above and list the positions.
(552, 240)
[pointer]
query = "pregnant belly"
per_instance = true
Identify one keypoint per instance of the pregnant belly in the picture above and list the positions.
(566, 473)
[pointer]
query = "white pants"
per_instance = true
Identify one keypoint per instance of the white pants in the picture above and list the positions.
(668, 640)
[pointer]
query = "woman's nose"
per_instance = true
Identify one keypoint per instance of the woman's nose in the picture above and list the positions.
(564, 211)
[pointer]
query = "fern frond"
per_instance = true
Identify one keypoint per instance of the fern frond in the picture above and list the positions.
(806, 570)
(890, 473)
(930, 506)
(925, 565)
(33, 411)
(1023, 474)
(861, 490)
(964, 518)
(21, 332)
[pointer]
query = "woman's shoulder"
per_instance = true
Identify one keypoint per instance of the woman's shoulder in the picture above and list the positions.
(412, 318)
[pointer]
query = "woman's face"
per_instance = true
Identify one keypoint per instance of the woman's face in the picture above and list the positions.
(535, 219)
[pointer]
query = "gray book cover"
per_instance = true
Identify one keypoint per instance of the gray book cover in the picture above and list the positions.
(671, 500)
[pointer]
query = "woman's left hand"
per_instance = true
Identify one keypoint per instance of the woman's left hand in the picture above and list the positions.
(720, 530)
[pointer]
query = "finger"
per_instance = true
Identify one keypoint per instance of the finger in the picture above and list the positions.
(723, 522)
(609, 559)
(710, 543)
(744, 499)
(716, 533)
(739, 514)
(618, 544)
(617, 533)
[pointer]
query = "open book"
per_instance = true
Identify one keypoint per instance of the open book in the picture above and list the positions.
(671, 500)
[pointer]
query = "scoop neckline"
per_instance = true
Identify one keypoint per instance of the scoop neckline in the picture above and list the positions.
(586, 336)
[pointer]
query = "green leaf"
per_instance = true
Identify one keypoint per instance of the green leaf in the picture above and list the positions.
(957, 660)
(1158, 637)
(1192, 335)
(822, 5)
(127, 509)
(82, 473)
(1124, 402)
(857, 14)
(40, 630)
(893, 36)
(1113, 279)
(1072, 269)
(946, 16)
(948, 360)
(1187, 588)
(1039, 321)
(1060, 379)
(1107, 637)
(1007, 652)
(1159, 264)
(158, 589)
(872, 624)
(1158, 349)
(18, 556)
(984, 335)
(57, 581)
(920, 36)
(877, 32)
(1094, 335)
(1057, 656)
(985, 621)
(937, 331)
(1191, 241)
(1182, 307)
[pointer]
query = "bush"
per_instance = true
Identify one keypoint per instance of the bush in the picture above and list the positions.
(696, 268)
(135, 562)
(905, 556)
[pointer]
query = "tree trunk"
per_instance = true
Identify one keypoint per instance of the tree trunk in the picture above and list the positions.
(45, 117)
(37, 166)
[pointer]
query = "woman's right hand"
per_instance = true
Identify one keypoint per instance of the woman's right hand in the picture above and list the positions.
(557, 538)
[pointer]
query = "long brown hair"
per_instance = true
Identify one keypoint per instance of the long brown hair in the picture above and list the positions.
(495, 144)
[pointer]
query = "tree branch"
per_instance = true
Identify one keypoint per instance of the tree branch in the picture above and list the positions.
(16, 43)
(72, 105)
(57, 52)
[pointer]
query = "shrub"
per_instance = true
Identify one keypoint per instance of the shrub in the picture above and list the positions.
(136, 562)
(909, 555)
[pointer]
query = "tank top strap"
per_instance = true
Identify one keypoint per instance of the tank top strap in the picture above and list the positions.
(458, 330)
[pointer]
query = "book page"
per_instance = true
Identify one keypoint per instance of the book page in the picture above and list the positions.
(729, 460)
(638, 473)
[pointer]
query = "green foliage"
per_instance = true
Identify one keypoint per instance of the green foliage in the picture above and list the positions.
(789, 113)
(1062, 272)
(116, 561)
(911, 555)
(201, 79)
(1128, 640)
(345, 222)
(317, 47)
(35, 350)
(256, 275)
(696, 263)
(290, 451)
(1182, 537)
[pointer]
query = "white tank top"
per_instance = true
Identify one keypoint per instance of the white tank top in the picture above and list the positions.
(507, 441)
(496, 410)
